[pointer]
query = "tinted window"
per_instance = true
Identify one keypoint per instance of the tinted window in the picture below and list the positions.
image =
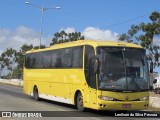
(38, 60)
(54, 57)
(62, 58)
(59, 56)
(77, 57)
(30, 61)
(67, 58)
(122, 69)
(89, 73)
(46, 59)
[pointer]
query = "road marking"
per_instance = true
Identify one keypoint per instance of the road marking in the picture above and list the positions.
(94, 118)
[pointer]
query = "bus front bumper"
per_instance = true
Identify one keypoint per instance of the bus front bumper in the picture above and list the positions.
(122, 105)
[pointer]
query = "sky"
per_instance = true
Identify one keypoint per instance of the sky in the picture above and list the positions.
(95, 19)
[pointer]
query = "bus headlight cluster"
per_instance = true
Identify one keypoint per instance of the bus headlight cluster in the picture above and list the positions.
(144, 98)
(105, 98)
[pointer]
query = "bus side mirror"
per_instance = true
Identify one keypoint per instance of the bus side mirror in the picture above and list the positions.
(151, 67)
(155, 81)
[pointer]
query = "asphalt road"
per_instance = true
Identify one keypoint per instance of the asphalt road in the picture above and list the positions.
(13, 99)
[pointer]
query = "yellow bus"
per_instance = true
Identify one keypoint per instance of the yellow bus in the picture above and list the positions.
(89, 74)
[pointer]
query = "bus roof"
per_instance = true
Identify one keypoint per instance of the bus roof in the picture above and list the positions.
(94, 43)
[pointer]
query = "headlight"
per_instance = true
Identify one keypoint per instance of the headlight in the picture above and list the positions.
(105, 98)
(144, 98)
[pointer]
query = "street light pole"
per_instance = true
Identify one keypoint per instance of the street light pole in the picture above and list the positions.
(42, 13)
(42, 9)
(0, 71)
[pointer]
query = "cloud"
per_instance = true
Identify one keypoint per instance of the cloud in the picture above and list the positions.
(94, 33)
(1, 52)
(23, 35)
(16, 38)
(68, 29)
(98, 34)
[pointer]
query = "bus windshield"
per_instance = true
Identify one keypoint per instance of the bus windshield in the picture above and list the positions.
(122, 69)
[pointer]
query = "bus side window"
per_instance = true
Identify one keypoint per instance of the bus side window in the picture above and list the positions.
(67, 58)
(77, 57)
(32, 60)
(89, 73)
(27, 61)
(58, 58)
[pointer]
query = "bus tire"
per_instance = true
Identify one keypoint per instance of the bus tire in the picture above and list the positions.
(158, 91)
(36, 94)
(155, 91)
(79, 102)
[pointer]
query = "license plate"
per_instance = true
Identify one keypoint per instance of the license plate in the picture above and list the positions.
(126, 106)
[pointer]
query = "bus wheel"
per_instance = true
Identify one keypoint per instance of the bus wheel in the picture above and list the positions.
(155, 91)
(158, 91)
(35, 94)
(80, 105)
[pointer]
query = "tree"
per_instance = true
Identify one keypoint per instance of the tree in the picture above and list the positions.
(37, 47)
(9, 59)
(2, 65)
(14, 60)
(146, 34)
(61, 37)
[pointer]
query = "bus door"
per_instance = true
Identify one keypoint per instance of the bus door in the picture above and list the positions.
(93, 97)
(92, 85)
(91, 89)
(90, 75)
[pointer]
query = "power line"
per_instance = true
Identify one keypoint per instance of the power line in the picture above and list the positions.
(112, 25)
(120, 22)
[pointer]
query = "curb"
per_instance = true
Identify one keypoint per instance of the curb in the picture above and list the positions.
(16, 82)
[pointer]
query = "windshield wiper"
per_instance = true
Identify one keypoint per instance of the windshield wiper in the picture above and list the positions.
(135, 90)
(123, 50)
(125, 91)
(113, 90)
